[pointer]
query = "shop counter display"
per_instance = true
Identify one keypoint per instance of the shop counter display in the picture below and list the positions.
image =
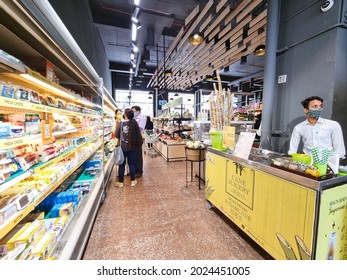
(170, 150)
(290, 215)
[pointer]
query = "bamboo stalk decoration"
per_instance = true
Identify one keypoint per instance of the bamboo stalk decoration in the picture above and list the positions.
(212, 110)
(228, 108)
(231, 107)
(220, 88)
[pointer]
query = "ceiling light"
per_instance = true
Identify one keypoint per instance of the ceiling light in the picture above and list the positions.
(133, 64)
(189, 99)
(134, 19)
(149, 97)
(168, 73)
(176, 94)
(134, 32)
(137, 2)
(132, 56)
(196, 38)
(260, 50)
(171, 98)
(135, 48)
(54, 89)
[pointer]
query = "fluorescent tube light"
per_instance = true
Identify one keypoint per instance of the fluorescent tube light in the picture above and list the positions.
(48, 86)
(134, 33)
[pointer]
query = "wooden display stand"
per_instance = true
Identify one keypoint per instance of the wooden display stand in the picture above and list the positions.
(170, 150)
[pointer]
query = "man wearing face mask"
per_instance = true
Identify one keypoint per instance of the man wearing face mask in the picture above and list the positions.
(316, 131)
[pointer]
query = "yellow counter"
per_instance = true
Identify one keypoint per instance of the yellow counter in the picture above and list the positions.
(288, 215)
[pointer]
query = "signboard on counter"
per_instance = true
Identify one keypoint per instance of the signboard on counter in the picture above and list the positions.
(229, 137)
(244, 145)
(332, 225)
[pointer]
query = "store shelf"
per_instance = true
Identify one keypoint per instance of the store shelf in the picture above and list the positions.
(17, 178)
(62, 179)
(15, 219)
(40, 166)
(58, 133)
(9, 143)
(24, 105)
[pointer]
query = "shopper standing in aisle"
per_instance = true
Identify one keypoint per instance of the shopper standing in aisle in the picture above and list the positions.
(141, 120)
(149, 123)
(130, 140)
(118, 119)
(316, 131)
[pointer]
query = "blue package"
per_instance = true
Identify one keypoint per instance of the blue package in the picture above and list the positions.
(8, 91)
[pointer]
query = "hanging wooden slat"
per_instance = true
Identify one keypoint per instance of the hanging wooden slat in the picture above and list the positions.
(220, 5)
(247, 10)
(191, 63)
(237, 10)
(217, 20)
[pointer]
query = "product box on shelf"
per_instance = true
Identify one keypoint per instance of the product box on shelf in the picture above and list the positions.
(32, 234)
(5, 130)
(7, 90)
(23, 94)
(60, 210)
(33, 216)
(27, 160)
(17, 252)
(8, 242)
(45, 246)
(7, 208)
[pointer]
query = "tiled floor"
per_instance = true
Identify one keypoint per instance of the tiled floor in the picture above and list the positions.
(161, 219)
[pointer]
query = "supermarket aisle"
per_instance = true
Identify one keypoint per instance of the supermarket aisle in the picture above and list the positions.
(161, 219)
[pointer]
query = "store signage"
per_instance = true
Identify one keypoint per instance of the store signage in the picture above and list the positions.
(244, 145)
(229, 137)
(162, 102)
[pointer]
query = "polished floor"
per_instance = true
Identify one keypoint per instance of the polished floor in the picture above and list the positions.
(161, 219)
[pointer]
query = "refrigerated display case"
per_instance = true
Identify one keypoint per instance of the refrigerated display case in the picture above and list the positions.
(52, 138)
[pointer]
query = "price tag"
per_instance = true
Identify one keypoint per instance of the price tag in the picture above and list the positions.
(47, 133)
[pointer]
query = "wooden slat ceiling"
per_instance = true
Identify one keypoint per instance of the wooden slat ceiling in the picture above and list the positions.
(229, 34)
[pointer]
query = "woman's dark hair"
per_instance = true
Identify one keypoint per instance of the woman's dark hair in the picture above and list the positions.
(135, 138)
(305, 102)
(118, 110)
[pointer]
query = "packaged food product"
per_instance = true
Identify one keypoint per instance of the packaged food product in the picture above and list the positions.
(35, 97)
(5, 163)
(45, 246)
(32, 234)
(17, 131)
(6, 173)
(32, 127)
(313, 172)
(3, 155)
(22, 94)
(7, 243)
(5, 130)
(8, 90)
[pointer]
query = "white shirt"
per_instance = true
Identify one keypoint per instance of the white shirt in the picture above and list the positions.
(324, 134)
(141, 122)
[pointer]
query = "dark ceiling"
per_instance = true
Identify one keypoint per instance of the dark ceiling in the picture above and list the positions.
(161, 21)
